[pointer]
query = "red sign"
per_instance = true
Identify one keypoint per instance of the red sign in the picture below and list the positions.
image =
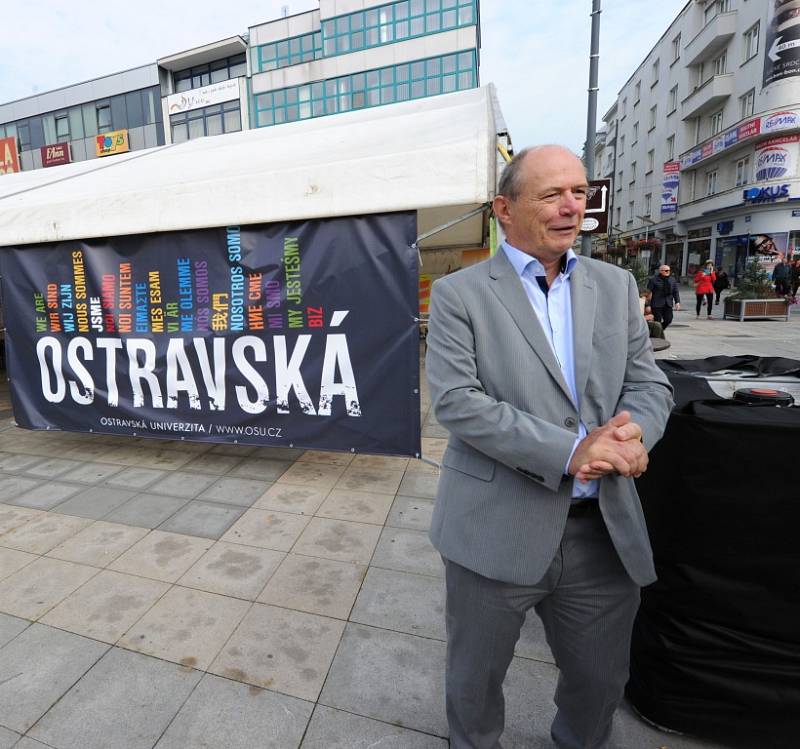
(9, 161)
(56, 155)
(750, 128)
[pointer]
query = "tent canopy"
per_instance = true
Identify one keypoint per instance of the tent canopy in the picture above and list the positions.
(434, 155)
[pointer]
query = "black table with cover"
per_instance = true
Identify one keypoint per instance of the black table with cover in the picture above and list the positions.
(716, 644)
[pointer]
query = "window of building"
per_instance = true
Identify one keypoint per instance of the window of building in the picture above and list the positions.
(742, 171)
(715, 7)
(289, 52)
(711, 182)
(214, 72)
(648, 202)
(630, 212)
(621, 144)
(637, 92)
(670, 148)
(673, 99)
(619, 180)
(716, 122)
(415, 80)
(635, 134)
(701, 74)
(24, 136)
(656, 66)
(653, 116)
(103, 115)
(698, 129)
(651, 160)
(721, 64)
(62, 126)
(751, 42)
(623, 108)
(676, 48)
(633, 172)
(394, 22)
(619, 215)
(197, 123)
(747, 103)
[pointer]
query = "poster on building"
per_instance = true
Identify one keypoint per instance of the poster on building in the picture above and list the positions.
(768, 249)
(298, 334)
(669, 187)
(782, 46)
(55, 155)
(111, 143)
(9, 159)
(777, 158)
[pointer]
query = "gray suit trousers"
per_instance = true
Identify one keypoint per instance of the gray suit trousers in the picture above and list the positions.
(587, 602)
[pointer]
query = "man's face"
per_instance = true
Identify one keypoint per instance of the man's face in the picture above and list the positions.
(546, 217)
(664, 271)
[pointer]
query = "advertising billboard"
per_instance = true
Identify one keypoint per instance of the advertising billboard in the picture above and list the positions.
(9, 160)
(300, 334)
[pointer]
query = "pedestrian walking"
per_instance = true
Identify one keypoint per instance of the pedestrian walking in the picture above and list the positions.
(541, 368)
(721, 282)
(780, 277)
(666, 296)
(704, 288)
(794, 276)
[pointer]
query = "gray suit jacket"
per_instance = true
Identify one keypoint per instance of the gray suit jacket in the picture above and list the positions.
(495, 383)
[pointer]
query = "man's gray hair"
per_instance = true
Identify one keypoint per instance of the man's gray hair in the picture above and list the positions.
(511, 184)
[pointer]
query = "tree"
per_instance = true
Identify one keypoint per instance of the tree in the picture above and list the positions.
(754, 283)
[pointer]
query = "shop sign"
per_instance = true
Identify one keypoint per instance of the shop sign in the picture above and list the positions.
(56, 154)
(111, 143)
(9, 161)
(766, 194)
(776, 158)
(203, 97)
(669, 187)
(780, 121)
(597, 207)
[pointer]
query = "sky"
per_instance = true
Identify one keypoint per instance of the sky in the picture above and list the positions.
(535, 52)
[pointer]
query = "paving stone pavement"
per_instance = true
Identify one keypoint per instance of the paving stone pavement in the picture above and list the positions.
(181, 595)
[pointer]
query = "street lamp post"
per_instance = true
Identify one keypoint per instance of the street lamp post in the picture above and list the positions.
(591, 117)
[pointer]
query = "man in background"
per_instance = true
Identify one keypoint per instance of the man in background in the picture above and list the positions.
(666, 296)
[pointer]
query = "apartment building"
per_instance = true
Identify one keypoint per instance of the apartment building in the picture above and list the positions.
(703, 140)
(345, 55)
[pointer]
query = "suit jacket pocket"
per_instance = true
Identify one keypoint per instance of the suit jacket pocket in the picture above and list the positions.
(473, 463)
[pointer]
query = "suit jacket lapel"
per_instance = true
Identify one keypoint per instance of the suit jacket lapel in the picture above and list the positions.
(508, 288)
(584, 300)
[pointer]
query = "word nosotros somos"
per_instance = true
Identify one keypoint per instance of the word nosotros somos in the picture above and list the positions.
(67, 371)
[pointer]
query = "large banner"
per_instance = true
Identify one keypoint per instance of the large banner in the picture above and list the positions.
(782, 46)
(292, 335)
(670, 183)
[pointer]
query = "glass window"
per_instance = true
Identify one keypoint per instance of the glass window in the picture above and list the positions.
(673, 98)
(180, 133)
(196, 129)
(711, 183)
(75, 123)
(62, 126)
(183, 81)
(133, 105)
(747, 102)
(49, 127)
(417, 26)
(676, 48)
(751, 41)
(103, 114)
(219, 74)
(89, 120)
(214, 124)
(119, 114)
(742, 171)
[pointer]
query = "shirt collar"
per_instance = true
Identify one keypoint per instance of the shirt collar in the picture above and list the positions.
(521, 260)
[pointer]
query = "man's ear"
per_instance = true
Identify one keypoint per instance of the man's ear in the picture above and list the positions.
(500, 206)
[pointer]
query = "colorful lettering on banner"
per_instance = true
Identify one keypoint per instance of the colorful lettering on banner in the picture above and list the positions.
(299, 334)
(777, 158)
(9, 160)
(749, 129)
(786, 120)
(670, 185)
(111, 143)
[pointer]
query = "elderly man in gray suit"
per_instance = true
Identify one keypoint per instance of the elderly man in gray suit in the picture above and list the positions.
(540, 367)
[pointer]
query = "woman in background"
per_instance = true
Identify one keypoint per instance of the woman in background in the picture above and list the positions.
(704, 287)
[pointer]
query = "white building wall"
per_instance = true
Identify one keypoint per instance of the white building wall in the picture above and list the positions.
(692, 130)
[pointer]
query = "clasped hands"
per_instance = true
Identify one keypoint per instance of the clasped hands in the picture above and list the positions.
(614, 447)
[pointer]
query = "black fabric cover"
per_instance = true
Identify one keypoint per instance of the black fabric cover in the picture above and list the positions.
(716, 644)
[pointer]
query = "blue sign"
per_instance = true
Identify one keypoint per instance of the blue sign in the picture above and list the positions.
(765, 194)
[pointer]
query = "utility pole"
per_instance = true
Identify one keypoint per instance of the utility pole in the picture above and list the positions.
(591, 117)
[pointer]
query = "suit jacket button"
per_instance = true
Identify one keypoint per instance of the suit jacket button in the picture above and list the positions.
(570, 422)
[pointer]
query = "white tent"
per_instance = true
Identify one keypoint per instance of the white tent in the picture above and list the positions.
(435, 155)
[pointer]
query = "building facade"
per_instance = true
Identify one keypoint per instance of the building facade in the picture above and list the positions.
(343, 56)
(703, 141)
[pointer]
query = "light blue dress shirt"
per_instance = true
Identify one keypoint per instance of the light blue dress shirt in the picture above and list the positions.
(554, 311)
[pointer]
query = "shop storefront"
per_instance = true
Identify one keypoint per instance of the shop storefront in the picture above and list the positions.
(698, 249)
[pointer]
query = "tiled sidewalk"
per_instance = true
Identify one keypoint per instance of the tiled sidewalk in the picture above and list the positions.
(179, 596)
